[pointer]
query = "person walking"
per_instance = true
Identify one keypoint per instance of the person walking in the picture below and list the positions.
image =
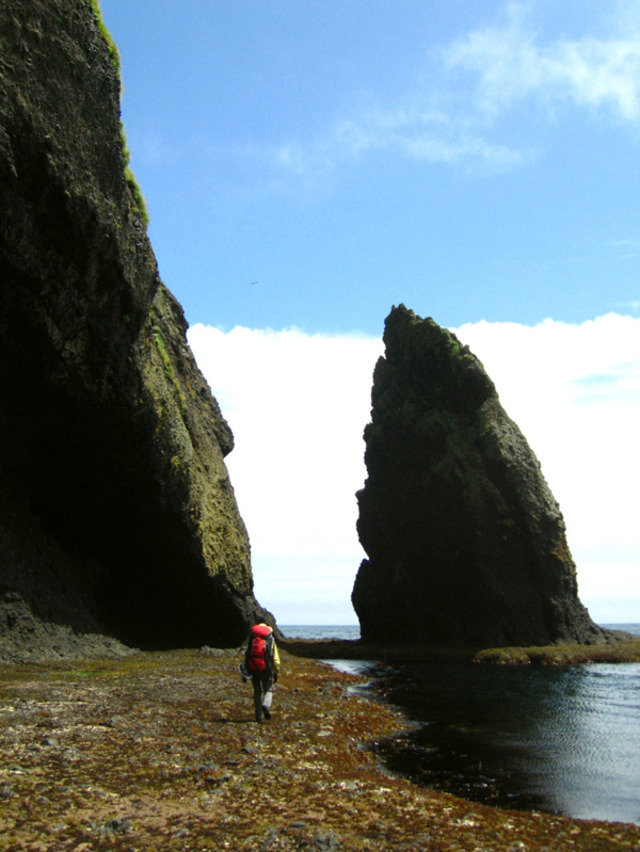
(262, 662)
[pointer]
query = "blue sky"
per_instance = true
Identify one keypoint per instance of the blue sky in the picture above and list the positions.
(477, 162)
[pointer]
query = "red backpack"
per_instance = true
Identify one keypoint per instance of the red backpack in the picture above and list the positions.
(259, 656)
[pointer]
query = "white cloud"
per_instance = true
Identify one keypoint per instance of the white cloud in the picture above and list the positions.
(419, 134)
(298, 404)
(574, 390)
(512, 64)
(628, 248)
(451, 119)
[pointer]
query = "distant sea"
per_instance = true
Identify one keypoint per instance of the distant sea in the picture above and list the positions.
(557, 739)
(321, 631)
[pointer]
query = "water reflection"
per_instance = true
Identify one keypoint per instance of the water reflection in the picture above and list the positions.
(563, 740)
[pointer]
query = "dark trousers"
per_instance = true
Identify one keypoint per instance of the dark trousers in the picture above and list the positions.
(262, 694)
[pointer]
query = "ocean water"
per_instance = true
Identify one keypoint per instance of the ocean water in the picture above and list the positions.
(321, 631)
(563, 740)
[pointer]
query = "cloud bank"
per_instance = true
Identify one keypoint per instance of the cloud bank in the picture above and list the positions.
(298, 404)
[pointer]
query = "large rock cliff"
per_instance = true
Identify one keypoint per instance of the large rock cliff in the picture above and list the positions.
(466, 543)
(116, 510)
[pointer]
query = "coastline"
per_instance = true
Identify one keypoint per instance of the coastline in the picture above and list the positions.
(159, 751)
(623, 648)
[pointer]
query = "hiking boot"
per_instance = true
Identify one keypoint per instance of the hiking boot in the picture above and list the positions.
(267, 712)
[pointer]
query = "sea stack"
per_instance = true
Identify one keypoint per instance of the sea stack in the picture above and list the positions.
(466, 544)
(117, 516)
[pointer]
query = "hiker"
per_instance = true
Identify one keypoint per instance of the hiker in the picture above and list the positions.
(262, 662)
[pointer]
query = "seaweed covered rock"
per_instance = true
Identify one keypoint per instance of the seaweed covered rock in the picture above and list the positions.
(466, 543)
(116, 509)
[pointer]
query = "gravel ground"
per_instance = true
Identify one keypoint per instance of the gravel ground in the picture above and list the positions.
(160, 752)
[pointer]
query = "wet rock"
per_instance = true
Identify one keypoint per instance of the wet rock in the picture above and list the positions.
(118, 826)
(325, 842)
(270, 839)
(212, 652)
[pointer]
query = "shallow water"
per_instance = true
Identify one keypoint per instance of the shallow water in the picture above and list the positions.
(564, 740)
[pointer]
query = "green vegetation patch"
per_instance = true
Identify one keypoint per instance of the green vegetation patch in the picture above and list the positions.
(139, 206)
(114, 53)
(563, 655)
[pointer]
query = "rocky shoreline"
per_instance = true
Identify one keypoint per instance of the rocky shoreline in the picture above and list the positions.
(158, 751)
(620, 647)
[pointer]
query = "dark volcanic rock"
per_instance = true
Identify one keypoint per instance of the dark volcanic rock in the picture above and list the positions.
(466, 543)
(116, 510)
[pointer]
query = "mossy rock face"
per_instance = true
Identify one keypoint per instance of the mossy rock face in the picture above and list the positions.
(116, 510)
(466, 543)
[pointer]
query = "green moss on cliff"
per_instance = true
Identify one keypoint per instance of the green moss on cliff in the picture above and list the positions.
(139, 206)
(106, 35)
(456, 349)
(113, 491)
